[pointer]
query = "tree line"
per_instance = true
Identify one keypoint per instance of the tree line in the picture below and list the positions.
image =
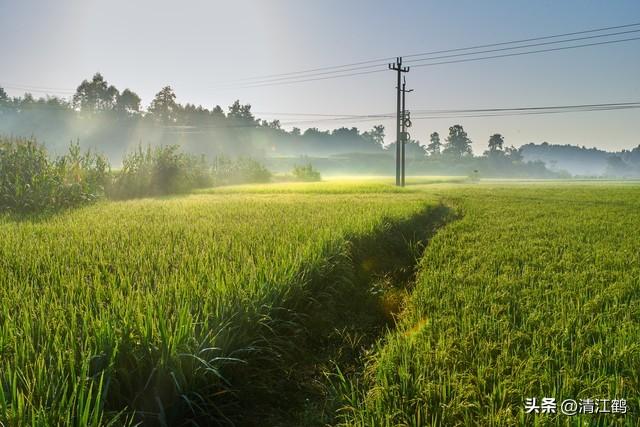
(110, 120)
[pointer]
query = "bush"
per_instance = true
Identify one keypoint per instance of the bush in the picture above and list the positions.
(160, 171)
(30, 182)
(306, 173)
(243, 170)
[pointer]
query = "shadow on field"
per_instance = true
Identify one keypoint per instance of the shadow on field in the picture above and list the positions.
(350, 305)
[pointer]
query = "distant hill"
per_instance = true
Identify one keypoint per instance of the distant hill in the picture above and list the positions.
(579, 160)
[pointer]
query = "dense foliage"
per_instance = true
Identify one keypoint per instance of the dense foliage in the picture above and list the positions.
(31, 182)
(306, 173)
(159, 171)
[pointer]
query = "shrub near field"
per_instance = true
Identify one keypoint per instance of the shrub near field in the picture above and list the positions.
(32, 182)
(136, 310)
(159, 171)
(535, 292)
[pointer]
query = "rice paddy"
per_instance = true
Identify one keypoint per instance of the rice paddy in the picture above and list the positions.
(180, 310)
(534, 292)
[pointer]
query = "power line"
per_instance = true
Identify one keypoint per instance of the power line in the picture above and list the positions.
(314, 114)
(526, 46)
(325, 117)
(367, 67)
(450, 114)
(530, 113)
(611, 104)
(279, 83)
(454, 113)
(37, 89)
(500, 112)
(528, 53)
(341, 71)
(207, 129)
(383, 61)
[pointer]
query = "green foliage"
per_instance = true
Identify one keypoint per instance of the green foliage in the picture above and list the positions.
(306, 173)
(496, 143)
(434, 147)
(30, 182)
(533, 292)
(164, 107)
(95, 95)
(243, 170)
(458, 143)
(167, 308)
(159, 171)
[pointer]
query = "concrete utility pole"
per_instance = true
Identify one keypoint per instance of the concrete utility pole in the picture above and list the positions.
(404, 135)
(400, 69)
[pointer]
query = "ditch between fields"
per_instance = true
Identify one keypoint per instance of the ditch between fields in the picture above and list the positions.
(350, 306)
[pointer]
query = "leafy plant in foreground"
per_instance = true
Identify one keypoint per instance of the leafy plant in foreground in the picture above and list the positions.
(31, 182)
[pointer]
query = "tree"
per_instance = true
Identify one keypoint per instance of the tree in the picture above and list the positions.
(4, 98)
(26, 101)
(514, 154)
(274, 124)
(496, 142)
(164, 107)
(217, 112)
(412, 149)
(128, 102)
(315, 132)
(375, 135)
(241, 112)
(458, 143)
(433, 149)
(95, 95)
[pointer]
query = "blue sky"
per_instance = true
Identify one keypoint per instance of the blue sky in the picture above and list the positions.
(199, 46)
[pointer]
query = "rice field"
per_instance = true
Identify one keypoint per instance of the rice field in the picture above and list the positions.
(184, 310)
(133, 310)
(534, 292)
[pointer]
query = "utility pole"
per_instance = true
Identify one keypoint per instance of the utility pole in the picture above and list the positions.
(397, 66)
(404, 135)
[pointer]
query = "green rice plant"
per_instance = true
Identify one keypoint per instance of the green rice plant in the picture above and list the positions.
(534, 292)
(189, 309)
(165, 311)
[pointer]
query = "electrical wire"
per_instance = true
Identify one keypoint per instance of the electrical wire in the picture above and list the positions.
(380, 60)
